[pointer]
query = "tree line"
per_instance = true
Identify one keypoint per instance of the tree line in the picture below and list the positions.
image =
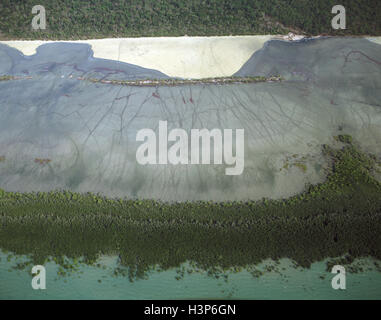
(75, 19)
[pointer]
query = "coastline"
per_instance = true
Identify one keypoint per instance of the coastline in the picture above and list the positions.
(332, 219)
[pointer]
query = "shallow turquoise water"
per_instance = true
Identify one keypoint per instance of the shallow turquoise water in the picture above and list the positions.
(91, 282)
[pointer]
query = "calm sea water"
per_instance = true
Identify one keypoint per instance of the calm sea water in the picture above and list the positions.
(98, 282)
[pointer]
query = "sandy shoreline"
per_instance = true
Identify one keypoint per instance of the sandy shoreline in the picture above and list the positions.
(185, 57)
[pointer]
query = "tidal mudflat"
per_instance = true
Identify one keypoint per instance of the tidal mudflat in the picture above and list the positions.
(310, 189)
(88, 130)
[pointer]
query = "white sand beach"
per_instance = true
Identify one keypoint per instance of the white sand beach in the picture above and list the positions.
(185, 57)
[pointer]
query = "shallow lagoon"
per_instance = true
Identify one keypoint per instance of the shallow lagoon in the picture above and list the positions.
(285, 282)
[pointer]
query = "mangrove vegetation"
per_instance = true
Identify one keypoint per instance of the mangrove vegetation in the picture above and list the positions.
(172, 82)
(185, 82)
(339, 217)
(76, 19)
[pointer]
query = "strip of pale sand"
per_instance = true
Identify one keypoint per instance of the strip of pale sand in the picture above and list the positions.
(184, 57)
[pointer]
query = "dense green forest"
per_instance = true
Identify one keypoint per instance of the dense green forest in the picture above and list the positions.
(78, 19)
